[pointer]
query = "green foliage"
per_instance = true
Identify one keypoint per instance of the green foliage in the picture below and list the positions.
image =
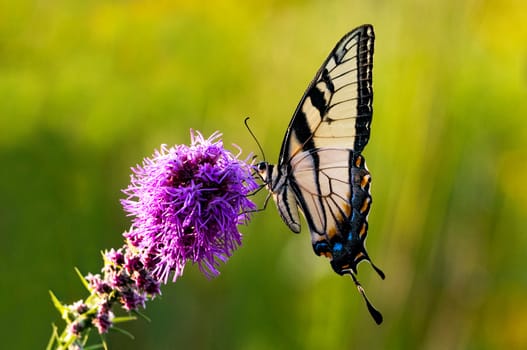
(90, 88)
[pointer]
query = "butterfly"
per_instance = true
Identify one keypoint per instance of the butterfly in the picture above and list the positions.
(321, 171)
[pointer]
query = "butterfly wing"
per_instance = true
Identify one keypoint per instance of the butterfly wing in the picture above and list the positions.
(336, 109)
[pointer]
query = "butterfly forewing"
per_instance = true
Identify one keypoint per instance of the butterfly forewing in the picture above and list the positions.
(336, 108)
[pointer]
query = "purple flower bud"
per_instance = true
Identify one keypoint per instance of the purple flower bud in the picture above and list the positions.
(117, 280)
(103, 320)
(76, 327)
(133, 263)
(97, 284)
(152, 287)
(131, 300)
(79, 307)
(115, 256)
(149, 284)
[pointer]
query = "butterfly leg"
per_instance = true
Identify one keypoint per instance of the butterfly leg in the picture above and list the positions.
(265, 203)
(256, 190)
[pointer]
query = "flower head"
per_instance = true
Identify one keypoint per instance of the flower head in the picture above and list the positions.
(187, 203)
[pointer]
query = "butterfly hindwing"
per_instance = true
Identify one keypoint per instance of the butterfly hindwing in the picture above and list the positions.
(335, 198)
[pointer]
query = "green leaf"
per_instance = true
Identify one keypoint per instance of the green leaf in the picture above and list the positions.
(143, 316)
(54, 336)
(83, 280)
(72, 340)
(57, 303)
(122, 331)
(122, 319)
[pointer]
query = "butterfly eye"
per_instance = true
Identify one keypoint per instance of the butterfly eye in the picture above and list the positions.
(262, 167)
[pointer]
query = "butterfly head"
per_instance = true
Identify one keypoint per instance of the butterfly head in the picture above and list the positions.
(265, 170)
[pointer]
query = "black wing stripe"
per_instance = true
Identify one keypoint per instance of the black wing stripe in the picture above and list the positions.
(316, 173)
(317, 100)
(303, 134)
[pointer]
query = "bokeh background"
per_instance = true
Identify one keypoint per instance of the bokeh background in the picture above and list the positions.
(87, 89)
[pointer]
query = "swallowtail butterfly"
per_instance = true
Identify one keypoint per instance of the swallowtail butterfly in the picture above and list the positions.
(321, 171)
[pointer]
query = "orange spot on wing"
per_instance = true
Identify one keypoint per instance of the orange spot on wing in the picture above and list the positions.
(365, 205)
(332, 232)
(359, 256)
(358, 161)
(347, 208)
(327, 255)
(365, 181)
(362, 231)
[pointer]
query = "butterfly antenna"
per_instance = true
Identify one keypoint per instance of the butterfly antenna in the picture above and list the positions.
(254, 137)
(377, 316)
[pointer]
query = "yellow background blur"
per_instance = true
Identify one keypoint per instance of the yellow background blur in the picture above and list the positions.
(87, 89)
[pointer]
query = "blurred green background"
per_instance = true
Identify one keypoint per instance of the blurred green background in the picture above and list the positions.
(90, 88)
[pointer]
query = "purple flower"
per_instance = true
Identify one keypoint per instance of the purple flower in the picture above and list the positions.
(76, 327)
(79, 307)
(187, 203)
(103, 319)
(97, 284)
(131, 299)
